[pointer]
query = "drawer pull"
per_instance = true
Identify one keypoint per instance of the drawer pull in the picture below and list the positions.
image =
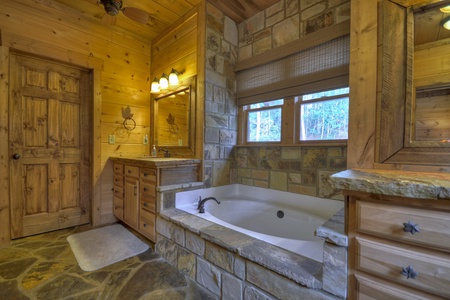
(145, 225)
(411, 227)
(145, 174)
(129, 171)
(409, 272)
(145, 204)
(145, 189)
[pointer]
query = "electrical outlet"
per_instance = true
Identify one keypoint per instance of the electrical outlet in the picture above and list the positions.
(111, 139)
(145, 140)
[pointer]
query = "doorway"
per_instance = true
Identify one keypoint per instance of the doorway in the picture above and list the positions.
(50, 117)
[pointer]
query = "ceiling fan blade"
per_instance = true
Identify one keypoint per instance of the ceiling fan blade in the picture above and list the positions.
(136, 14)
(108, 20)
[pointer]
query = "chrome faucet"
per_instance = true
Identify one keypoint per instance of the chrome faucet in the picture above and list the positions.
(201, 204)
(166, 152)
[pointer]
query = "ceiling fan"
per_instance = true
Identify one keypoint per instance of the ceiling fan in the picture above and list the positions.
(113, 7)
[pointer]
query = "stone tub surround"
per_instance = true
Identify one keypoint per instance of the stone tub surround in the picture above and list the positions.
(235, 266)
(422, 185)
(334, 276)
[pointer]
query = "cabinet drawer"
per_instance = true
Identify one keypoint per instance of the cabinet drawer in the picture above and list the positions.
(388, 259)
(118, 208)
(118, 180)
(387, 220)
(148, 174)
(131, 171)
(368, 287)
(118, 191)
(147, 224)
(148, 189)
(148, 204)
(118, 168)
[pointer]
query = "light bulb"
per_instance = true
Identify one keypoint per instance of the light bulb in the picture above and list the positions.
(155, 87)
(163, 82)
(445, 9)
(446, 23)
(173, 78)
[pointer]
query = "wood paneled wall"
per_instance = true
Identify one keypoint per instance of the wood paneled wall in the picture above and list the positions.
(181, 47)
(121, 79)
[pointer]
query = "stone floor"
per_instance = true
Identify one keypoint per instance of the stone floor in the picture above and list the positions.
(44, 267)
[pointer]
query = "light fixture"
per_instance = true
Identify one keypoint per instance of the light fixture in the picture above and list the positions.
(163, 82)
(173, 78)
(166, 84)
(445, 9)
(446, 23)
(155, 87)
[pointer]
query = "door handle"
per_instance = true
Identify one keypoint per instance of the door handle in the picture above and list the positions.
(16, 156)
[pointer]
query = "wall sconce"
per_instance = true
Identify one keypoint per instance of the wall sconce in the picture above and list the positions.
(165, 82)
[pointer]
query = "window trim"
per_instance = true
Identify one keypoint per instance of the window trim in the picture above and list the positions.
(290, 122)
(300, 102)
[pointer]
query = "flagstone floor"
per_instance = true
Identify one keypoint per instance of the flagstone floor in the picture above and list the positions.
(44, 267)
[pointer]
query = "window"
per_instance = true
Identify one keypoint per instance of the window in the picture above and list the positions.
(324, 115)
(320, 116)
(264, 121)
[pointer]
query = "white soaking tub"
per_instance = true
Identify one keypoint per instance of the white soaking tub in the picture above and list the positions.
(284, 219)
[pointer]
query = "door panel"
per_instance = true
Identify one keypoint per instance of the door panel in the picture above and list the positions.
(49, 133)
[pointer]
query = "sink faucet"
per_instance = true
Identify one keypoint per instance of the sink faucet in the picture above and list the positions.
(201, 204)
(166, 152)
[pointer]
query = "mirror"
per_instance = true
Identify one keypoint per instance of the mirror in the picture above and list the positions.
(402, 74)
(173, 120)
(430, 121)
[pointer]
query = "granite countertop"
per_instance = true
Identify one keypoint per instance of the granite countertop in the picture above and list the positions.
(148, 161)
(423, 185)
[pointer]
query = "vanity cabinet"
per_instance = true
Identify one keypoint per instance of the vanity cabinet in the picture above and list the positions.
(135, 188)
(118, 190)
(399, 248)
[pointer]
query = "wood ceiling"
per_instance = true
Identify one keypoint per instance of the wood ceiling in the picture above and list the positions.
(163, 13)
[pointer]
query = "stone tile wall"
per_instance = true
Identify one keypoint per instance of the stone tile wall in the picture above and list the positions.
(227, 43)
(286, 21)
(302, 170)
(220, 100)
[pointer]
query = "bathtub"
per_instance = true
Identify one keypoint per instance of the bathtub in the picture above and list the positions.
(284, 219)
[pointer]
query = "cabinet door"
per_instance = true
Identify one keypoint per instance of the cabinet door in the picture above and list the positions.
(131, 202)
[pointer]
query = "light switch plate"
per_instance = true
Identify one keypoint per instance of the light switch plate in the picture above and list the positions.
(111, 139)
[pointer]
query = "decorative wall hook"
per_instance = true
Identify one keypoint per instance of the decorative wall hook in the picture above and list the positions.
(129, 123)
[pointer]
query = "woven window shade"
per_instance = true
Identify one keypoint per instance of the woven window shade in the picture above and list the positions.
(321, 67)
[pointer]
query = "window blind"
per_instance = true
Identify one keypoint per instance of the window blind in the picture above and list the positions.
(324, 66)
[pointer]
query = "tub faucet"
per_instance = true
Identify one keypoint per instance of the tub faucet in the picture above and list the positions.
(201, 203)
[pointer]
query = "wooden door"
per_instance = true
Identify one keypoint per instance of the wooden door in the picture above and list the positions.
(49, 146)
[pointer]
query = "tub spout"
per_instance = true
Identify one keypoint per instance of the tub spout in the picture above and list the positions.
(201, 204)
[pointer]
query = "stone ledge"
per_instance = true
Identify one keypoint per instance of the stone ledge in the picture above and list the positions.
(409, 184)
(333, 230)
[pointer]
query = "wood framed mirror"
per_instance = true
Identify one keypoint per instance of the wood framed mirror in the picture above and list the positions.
(174, 114)
(398, 119)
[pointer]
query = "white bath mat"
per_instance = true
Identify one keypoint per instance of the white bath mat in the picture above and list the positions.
(98, 248)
